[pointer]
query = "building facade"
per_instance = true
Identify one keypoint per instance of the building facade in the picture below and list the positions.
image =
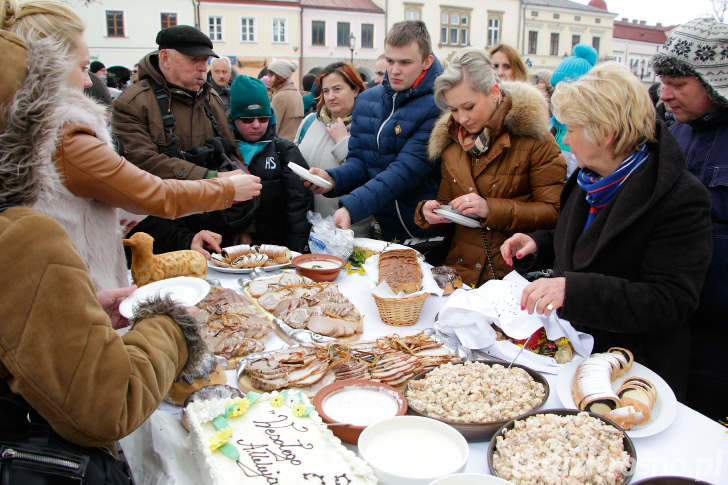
(635, 44)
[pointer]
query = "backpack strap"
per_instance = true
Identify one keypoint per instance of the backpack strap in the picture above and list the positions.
(165, 110)
(6, 205)
(306, 123)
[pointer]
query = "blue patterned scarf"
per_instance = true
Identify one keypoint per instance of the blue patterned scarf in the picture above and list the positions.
(600, 190)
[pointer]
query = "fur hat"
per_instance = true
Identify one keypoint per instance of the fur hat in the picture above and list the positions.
(15, 58)
(575, 66)
(248, 97)
(698, 48)
(283, 68)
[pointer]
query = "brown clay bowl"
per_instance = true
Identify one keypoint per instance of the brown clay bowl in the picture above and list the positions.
(369, 413)
(318, 267)
(670, 481)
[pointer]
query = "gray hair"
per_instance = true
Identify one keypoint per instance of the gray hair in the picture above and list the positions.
(472, 64)
(224, 59)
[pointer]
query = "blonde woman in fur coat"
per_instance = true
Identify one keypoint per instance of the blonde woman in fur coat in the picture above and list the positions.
(499, 163)
(91, 180)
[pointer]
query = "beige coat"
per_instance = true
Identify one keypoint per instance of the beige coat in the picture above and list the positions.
(288, 105)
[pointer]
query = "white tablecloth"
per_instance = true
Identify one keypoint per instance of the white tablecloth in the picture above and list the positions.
(692, 446)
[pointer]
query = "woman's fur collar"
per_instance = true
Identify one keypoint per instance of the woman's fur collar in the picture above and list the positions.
(528, 116)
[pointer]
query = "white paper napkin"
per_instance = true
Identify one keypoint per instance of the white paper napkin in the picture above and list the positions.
(469, 315)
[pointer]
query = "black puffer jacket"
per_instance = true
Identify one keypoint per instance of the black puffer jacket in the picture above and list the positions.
(284, 200)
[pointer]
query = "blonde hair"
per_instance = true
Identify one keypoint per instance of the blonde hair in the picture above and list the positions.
(608, 100)
(41, 19)
(520, 72)
(470, 64)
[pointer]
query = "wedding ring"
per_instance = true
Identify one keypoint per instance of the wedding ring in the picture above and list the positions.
(549, 307)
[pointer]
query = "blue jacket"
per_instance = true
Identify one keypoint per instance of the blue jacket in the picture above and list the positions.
(705, 145)
(387, 171)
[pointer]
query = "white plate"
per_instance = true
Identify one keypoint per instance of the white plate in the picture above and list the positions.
(184, 289)
(314, 179)
(662, 415)
(457, 218)
(250, 270)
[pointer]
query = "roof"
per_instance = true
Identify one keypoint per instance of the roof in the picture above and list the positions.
(640, 31)
(357, 5)
(567, 4)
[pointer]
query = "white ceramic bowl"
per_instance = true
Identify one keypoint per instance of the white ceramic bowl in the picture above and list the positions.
(412, 450)
(469, 479)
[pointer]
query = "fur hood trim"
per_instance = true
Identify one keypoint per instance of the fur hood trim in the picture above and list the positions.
(528, 116)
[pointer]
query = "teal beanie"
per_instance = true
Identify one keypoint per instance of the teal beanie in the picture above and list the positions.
(248, 97)
(575, 66)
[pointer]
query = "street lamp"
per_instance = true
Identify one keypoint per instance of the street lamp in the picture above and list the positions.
(352, 45)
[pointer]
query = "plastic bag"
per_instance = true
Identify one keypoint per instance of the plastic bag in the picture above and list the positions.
(326, 238)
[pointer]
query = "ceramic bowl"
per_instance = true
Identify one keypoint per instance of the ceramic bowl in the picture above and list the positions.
(318, 267)
(480, 431)
(359, 402)
(626, 441)
(469, 479)
(671, 481)
(412, 450)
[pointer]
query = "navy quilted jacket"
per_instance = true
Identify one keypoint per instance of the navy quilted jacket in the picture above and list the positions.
(387, 171)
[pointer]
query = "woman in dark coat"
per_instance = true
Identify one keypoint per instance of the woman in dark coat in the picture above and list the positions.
(633, 240)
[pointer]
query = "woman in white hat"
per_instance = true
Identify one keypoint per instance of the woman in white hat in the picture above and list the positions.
(286, 101)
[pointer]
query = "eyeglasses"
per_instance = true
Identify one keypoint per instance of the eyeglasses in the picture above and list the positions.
(249, 119)
(134, 71)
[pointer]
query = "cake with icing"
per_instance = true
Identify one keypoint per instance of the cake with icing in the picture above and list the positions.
(271, 438)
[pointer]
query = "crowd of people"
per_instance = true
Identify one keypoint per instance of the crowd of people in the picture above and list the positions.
(571, 170)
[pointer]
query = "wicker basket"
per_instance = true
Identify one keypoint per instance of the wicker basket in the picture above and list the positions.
(400, 312)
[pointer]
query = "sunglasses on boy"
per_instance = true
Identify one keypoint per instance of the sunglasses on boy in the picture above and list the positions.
(249, 119)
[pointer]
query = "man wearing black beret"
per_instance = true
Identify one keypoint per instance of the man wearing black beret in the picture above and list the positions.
(167, 122)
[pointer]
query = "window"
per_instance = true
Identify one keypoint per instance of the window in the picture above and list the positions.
(214, 27)
(532, 41)
(575, 39)
(318, 30)
(412, 11)
(454, 27)
(168, 19)
(595, 43)
(534, 13)
(367, 35)
(557, 16)
(494, 26)
(247, 29)
(597, 21)
(114, 23)
(577, 18)
(280, 30)
(554, 49)
(342, 34)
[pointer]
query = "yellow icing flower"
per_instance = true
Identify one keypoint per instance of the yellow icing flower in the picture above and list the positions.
(240, 407)
(277, 401)
(299, 410)
(220, 438)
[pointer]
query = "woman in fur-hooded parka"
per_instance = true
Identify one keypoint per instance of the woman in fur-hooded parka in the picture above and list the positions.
(520, 175)
(58, 349)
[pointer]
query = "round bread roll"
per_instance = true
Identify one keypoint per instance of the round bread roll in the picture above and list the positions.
(206, 373)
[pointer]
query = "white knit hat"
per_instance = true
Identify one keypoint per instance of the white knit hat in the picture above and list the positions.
(698, 48)
(283, 68)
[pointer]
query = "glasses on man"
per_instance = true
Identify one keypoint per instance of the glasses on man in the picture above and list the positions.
(249, 119)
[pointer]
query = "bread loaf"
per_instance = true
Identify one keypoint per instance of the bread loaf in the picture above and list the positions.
(400, 268)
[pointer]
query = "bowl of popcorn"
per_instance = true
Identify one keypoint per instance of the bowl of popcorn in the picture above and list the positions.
(476, 397)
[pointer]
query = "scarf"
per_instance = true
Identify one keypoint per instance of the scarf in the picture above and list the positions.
(601, 190)
(250, 150)
(327, 120)
(474, 143)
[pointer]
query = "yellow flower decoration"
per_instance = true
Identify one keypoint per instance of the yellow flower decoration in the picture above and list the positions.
(277, 401)
(299, 410)
(239, 407)
(220, 438)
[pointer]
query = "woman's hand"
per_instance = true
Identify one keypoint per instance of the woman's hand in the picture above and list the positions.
(246, 186)
(519, 245)
(206, 240)
(544, 295)
(337, 131)
(317, 189)
(110, 300)
(342, 218)
(471, 203)
(430, 216)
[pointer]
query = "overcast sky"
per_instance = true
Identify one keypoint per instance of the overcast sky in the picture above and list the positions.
(668, 12)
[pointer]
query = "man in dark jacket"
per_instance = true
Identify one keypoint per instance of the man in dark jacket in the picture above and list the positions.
(284, 201)
(387, 171)
(691, 66)
(220, 78)
(172, 124)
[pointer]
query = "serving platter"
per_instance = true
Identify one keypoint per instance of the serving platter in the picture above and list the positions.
(184, 289)
(663, 412)
(272, 267)
(305, 174)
